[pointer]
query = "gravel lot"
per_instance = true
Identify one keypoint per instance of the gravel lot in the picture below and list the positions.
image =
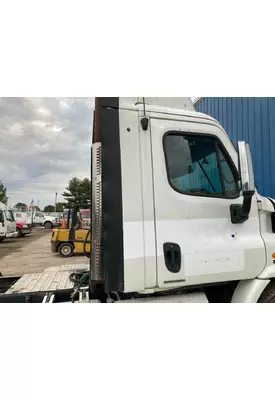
(32, 254)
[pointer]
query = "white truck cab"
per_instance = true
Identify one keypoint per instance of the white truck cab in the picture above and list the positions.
(7, 223)
(175, 207)
(175, 214)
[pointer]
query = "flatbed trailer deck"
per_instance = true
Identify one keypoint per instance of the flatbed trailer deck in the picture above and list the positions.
(52, 285)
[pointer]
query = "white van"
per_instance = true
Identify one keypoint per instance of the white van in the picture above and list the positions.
(21, 216)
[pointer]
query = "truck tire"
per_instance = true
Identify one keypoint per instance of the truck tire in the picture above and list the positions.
(66, 250)
(1, 239)
(20, 234)
(268, 295)
(48, 225)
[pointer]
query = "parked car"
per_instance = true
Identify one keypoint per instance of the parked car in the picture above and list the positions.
(23, 228)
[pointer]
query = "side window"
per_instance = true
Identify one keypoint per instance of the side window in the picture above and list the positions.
(230, 184)
(196, 165)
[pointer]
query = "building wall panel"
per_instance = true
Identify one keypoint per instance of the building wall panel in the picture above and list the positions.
(251, 119)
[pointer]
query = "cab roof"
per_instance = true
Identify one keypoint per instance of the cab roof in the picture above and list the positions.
(166, 105)
(180, 106)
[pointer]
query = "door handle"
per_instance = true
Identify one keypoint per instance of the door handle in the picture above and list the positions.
(172, 256)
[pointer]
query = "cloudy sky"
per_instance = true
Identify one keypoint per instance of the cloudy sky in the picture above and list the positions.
(43, 143)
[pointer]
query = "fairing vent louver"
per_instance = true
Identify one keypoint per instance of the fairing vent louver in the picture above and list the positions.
(96, 262)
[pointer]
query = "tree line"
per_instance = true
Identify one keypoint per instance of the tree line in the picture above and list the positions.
(3, 194)
(77, 193)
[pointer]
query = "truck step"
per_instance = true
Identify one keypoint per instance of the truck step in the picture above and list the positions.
(181, 298)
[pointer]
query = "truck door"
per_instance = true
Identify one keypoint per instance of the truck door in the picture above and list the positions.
(38, 218)
(195, 182)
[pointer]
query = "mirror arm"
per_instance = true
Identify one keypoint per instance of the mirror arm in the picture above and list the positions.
(240, 212)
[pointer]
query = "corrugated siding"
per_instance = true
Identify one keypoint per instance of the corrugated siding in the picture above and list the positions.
(251, 119)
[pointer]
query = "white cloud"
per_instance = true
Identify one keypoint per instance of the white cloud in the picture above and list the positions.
(43, 111)
(43, 143)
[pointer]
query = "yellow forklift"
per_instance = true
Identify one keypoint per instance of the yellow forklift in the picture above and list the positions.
(72, 237)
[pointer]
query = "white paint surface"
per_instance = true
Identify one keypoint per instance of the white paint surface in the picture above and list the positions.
(212, 248)
(206, 263)
(201, 225)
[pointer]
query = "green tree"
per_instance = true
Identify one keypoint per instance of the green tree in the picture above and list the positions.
(3, 194)
(86, 191)
(49, 208)
(78, 192)
(60, 207)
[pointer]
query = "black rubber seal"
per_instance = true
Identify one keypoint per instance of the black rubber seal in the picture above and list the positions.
(112, 215)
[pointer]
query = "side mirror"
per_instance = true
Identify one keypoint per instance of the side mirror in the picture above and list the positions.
(240, 212)
(246, 168)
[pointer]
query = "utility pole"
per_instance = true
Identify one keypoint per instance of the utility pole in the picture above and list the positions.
(55, 200)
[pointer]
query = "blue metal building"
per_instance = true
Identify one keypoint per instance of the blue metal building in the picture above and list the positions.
(251, 119)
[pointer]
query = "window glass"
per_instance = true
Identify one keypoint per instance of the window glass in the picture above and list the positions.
(230, 184)
(9, 215)
(194, 165)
